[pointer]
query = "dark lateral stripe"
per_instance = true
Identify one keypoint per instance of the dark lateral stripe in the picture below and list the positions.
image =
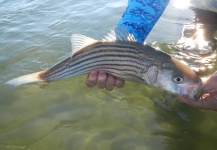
(117, 62)
(96, 64)
(101, 51)
(109, 68)
(106, 51)
(72, 60)
(99, 61)
(99, 54)
(101, 57)
(85, 60)
(73, 66)
(131, 68)
(109, 46)
(111, 57)
(91, 58)
(111, 71)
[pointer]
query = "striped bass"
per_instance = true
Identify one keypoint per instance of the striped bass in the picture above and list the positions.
(120, 55)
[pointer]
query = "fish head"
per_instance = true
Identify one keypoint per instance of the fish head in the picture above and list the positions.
(179, 78)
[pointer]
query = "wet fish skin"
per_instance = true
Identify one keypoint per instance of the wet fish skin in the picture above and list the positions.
(127, 60)
(121, 59)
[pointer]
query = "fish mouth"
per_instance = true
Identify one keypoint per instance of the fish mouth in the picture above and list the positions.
(198, 94)
(192, 92)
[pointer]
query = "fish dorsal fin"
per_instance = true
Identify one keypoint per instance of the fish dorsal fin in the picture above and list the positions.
(119, 34)
(80, 41)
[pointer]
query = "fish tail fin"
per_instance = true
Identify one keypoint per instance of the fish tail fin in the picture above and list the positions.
(29, 78)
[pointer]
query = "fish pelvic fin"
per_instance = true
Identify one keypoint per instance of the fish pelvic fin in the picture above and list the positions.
(29, 78)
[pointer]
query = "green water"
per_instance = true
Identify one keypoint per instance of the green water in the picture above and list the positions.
(66, 115)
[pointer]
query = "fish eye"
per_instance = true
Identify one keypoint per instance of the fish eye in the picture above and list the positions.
(178, 79)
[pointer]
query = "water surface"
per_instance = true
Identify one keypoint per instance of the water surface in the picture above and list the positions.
(66, 115)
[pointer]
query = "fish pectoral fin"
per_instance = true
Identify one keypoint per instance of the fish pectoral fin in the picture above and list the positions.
(150, 76)
(80, 41)
(119, 34)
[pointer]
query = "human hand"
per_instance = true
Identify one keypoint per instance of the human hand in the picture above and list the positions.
(208, 100)
(103, 80)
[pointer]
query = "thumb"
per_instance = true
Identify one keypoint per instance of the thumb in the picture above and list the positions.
(194, 103)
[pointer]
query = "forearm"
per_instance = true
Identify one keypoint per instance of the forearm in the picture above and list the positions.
(139, 18)
(141, 15)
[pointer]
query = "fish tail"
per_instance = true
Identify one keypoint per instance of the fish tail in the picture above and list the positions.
(29, 78)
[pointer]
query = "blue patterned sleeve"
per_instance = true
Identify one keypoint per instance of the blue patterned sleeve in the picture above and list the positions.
(141, 16)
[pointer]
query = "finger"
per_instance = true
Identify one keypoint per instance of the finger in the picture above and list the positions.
(110, 83)
(194, 103)
(185, 100)
(101, 79)
(91, 79)
(119, 83)
(211, 82)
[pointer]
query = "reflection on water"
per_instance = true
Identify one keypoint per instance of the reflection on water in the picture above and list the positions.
(197, 44)
(194, 40)
(181, 4)
(66, 115)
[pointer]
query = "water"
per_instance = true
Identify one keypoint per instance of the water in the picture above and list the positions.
(34, 35)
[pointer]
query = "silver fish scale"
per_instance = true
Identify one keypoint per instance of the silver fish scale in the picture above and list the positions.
(122, 59)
